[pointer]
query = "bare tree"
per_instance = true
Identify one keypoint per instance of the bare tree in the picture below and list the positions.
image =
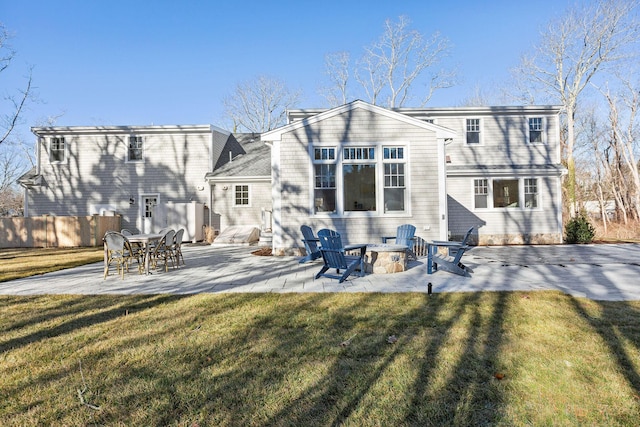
(337, 69)
(259, 105)
(16, 102)
(573, 50)
(398, 59)
(624, 132)
(391, 68)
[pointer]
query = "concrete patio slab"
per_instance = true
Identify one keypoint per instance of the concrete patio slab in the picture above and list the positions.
(599, 272)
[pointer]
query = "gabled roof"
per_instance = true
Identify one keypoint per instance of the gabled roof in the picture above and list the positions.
(253, 161)
(276, 134)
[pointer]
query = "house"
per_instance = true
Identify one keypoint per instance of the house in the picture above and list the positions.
(153, 176)
(241, 186)
(363, 170)
(358, 168)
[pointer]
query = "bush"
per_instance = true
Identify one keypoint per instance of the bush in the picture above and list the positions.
(579, 230)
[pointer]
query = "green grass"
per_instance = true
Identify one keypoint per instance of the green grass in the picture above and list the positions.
(18, 263)
(268, 359)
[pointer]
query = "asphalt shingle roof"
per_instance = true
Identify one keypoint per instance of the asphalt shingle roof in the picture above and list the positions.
(253, 160)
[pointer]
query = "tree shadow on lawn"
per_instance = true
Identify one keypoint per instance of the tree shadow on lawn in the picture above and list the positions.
(618, 324)
(74, 310)
(369, 359)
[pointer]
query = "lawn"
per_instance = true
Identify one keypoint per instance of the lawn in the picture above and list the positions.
(17, 263)
(539, 358)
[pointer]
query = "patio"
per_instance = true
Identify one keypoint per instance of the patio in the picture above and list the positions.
(600, 272)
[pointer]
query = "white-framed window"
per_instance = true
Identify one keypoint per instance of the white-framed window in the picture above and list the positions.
(531, 193)
(393, 160)
(241, 195)
(360, 179)
(473, 131)
(57, 150)
(536, 130)
(481, 193)
(324, 176)
(505, 193)
(135, 150)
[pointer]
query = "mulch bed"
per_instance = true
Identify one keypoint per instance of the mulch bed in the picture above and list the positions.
(262, 252)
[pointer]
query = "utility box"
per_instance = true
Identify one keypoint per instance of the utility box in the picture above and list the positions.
(189, 216)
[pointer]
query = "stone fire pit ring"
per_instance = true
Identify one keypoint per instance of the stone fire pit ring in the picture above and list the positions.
(382, 258)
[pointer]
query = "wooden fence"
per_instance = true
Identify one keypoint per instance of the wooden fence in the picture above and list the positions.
(55, 231)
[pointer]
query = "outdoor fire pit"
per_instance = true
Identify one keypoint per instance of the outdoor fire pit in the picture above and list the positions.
(385, 259)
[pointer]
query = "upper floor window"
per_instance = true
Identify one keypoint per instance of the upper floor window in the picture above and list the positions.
(241, 195)
(57, 150)
(536, 134)
(135, 148)
(473, 131)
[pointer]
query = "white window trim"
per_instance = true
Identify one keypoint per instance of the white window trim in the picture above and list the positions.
(544, 130)
(66, 151)
(144, 145)
(233, 194)
(379, 163)
(481, 136)
(312, 175)
(521, 195)
(405, 162)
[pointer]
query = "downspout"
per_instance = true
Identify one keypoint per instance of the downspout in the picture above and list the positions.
(211, 166)
(276, 196)
(442, 192)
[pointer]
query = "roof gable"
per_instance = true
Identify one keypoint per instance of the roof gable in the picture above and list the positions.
(276, 134)
(248, 157)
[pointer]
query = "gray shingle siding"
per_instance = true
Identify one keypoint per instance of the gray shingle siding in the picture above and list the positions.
(97, 172)
(353, 128)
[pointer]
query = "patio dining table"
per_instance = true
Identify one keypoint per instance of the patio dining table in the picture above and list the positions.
(145, 240)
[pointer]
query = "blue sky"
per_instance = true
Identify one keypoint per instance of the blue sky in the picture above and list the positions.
(172, 62)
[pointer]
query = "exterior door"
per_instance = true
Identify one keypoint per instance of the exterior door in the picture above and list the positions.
(149, 211)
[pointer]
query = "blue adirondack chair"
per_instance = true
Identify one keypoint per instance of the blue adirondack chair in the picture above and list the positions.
(452, 263)
(334, 256)
(405, 236)
(310, 244)
(453, 246)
